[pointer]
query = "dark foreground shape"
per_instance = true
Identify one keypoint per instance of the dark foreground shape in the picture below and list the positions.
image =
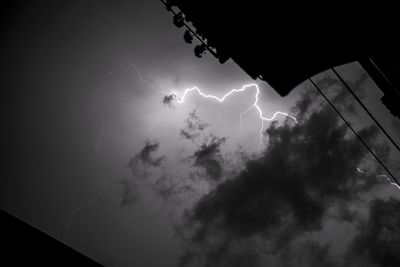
(285, 43)
(24, 245)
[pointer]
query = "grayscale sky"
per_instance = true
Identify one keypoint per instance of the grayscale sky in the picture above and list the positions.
(103, 164)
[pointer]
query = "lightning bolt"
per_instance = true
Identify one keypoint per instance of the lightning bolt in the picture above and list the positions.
(380, 175)
(181, 99)
(388, 179)
(360, 171)
(96, 146)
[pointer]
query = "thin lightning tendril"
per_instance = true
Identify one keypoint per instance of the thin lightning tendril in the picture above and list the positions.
(360, 171)
(255, 105)
(388, 179)
(179, 100)
(96, 146)
(84, 205)
(380, 175)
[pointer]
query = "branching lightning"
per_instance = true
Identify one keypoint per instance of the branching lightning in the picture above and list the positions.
(181, 99)
(96, 146)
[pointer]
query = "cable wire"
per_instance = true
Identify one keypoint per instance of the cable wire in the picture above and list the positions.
(355, 133)
(365, 108)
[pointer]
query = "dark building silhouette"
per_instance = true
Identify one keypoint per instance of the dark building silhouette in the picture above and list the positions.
(286, 43)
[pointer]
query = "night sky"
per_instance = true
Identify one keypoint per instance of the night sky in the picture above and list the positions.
(98, 161)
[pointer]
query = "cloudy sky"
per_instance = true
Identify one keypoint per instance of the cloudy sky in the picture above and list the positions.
(98, 161)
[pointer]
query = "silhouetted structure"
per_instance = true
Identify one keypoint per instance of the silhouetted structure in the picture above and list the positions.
(24, 245)
(188, 37)
(385, 71)
(199, 50)
(288, 43)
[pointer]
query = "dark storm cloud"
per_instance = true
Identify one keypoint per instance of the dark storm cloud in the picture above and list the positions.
(194, 126)
(129, 193)
(163, 185)
(130, 189)
(304, 103)
(171, 191)
(342, 98)
(396, 124)
(379, 239)
(145, 157)
(164, 188)
(209, 158)
(168, 100)
(309, 253)
(286, 192)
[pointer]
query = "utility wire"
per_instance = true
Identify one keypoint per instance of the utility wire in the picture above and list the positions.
(365, 108)
(329, 102)
(355, 133)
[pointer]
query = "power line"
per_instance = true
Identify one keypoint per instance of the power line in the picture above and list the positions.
(365, 108)
(330, 103)
(355, 133)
